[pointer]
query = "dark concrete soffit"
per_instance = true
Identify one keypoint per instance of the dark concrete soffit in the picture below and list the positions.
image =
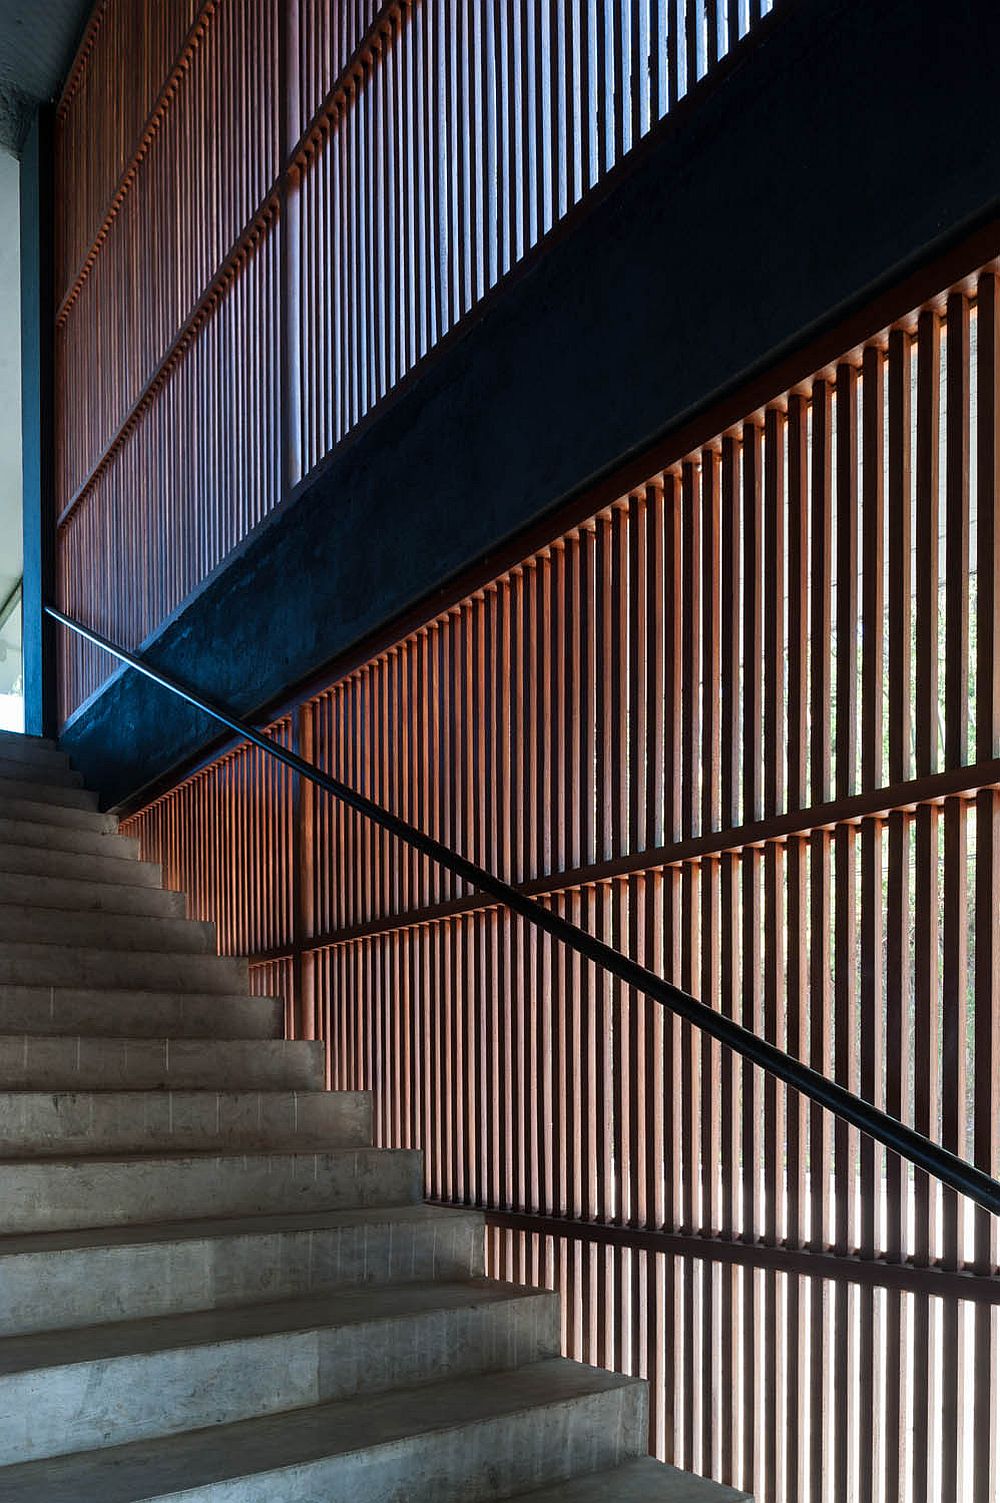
(854, 142)
(38, 39)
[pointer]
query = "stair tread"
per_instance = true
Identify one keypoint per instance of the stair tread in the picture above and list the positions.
(639, 1481)
(142, 1093)
(225, 1453)
(45, 1010)
(75, 948)
(147, 1041)
(44, 773)
(218, 1228)
(27, 739)
(178, 1183)
(54, 913)
(344, 1308)
(183, 1154)
(64, 989)
(94, 896)
(21, 809)
(14, 785)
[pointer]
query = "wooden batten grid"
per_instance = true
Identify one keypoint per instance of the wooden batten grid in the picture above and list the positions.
(582, 724)
(246, 137)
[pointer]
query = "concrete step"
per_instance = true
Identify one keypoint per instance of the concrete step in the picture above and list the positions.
(37, 1124)
(55, 772)
(105, 931)
(86, 896)
(42, 1195)
(79, 965)
(109, 1385)
(20, 748)
(639, 1481)
(461, 1441)
(40, 791)
(104, 862)
(38, 811)
(50, 1280)
(37, 1063)
(138, 1013)
(20, 829)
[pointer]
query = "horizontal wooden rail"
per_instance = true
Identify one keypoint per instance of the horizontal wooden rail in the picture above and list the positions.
(954, 782)
(929, 1279)
(951, 1170)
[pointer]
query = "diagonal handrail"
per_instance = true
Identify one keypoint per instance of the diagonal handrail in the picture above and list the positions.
(927, 1155)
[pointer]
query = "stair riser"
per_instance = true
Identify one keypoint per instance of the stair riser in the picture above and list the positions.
(91, 1405)
(40, 1196)
(55, 815)
(46, 1291)
(81, 870)
(471, 1463)
(89, 898)
(31, 750)
(105, 931)
(54, 965)
(39, 791)
(47, 1010)
(641, 1481)
(53, 837)
(36, 1063)
(37, 1124)
(54, 772)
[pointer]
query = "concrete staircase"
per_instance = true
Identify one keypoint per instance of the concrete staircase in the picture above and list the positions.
(212, 1286)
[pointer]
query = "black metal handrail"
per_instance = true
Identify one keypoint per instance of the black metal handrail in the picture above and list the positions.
(927, 1155)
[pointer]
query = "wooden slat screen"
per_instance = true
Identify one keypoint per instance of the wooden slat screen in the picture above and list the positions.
(269, 213)
(744, 723)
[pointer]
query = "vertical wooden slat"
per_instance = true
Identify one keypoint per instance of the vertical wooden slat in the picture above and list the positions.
(751, 1150)
(819, 1158)
(900, 702)
(731, 605)
(798, 601)
(690, 649)
(954, 1028)
(820, 761)
(711, 636)
(926, 543)
(988, 516)
(774, 594)
(872, 531)
(871, 940)
(797, 980)
(956, 713)
(774, 1153)
(753, 543)
(846, 680)
(845, 1001)
(925, 1096)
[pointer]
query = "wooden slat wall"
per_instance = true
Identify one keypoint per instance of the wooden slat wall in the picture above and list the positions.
(269, 213)
(745, 724)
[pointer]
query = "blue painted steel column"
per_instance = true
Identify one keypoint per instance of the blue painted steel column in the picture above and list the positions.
(37, 432)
